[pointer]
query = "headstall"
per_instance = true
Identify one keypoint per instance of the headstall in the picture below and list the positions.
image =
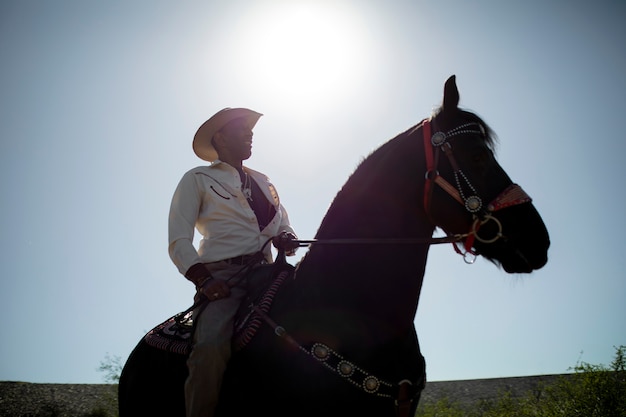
(437, 142)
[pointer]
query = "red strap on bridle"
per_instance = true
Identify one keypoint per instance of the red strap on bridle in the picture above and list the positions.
(430, 165)
(512, 195)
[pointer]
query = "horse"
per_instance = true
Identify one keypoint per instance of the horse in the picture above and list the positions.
(339, 337)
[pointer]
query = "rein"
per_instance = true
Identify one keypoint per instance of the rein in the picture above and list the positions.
(389, 241)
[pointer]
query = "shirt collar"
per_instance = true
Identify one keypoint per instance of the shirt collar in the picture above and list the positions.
(217, 162)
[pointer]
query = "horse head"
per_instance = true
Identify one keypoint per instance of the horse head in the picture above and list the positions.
(501, 222)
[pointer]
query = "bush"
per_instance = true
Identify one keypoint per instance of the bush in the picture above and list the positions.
(591, 391)
(442, 408)
(594, 391)
(111, 366)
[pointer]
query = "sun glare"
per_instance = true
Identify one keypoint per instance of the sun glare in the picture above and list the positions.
(306, 51)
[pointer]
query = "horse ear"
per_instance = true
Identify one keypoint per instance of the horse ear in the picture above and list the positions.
(450, 94)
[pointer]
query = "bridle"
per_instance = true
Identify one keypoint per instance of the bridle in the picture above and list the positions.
(512, 195)
(433, 146)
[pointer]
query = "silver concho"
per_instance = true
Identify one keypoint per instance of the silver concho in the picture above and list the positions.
(473, 204)
(438, 138)
(345, 368)
(371, 384)
(320, 352)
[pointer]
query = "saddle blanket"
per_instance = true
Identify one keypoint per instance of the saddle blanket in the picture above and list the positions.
(175, 334)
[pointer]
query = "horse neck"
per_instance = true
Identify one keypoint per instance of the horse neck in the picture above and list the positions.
(381, 200)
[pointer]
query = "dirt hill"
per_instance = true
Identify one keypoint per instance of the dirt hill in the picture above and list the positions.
(23, 399)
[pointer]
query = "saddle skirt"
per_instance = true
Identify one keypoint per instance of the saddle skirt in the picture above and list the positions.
(175, 334)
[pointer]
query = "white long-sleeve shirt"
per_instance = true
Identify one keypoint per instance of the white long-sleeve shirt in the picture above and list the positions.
(210, 199)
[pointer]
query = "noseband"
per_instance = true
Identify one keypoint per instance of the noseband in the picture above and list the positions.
(510, 196)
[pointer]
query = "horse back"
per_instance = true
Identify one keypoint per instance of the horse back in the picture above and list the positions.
(152, 383)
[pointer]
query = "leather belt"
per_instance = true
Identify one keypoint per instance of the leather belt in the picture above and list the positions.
(238, 260)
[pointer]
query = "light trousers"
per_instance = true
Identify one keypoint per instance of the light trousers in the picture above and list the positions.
(212, 344)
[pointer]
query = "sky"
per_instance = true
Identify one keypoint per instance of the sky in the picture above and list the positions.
(100, 101)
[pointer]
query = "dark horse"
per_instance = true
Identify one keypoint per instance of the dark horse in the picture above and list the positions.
(339, 338)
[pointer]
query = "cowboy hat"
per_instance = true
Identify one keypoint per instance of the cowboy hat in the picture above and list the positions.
(202, 141)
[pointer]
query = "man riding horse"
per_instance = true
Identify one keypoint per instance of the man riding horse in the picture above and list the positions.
(237, 210)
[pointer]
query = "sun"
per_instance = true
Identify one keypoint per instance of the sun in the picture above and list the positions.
(305, 51)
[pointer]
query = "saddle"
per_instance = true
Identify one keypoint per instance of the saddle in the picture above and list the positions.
(175, 334)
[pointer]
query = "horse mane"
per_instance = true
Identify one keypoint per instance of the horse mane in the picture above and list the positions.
(379, 155)
(464, 116)
(378, 174)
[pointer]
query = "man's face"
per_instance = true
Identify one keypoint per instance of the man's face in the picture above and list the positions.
(237, 138)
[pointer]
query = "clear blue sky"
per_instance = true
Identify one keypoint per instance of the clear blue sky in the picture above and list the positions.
(100, 100)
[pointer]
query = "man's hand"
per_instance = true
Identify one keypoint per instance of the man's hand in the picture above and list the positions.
(286, 241)
(214, 289)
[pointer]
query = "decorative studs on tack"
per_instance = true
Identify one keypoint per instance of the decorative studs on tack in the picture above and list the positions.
(473, 204)
(345, 369)
(320, 352)
(438, 138)
(371, 384)
(348, 370)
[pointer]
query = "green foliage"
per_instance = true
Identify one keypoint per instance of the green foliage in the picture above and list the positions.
(112, 368)
(442, 408)
(591, 391)
(594, 391)
(108, 406)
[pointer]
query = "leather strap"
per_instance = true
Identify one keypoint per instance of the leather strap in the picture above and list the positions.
(404, 402)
